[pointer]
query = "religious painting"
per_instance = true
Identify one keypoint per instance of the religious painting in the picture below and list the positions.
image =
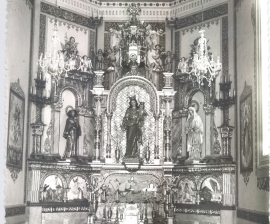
(246, 143)
(77, 189)
(186, 191)
(52, 189)
(131, 188)
(15, 127)
(210, 191)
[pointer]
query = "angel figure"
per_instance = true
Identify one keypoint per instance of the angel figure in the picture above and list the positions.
(182, 65)
(115, 37)
(157, 57)
(70, 45)
(85, 64)
(154, 36)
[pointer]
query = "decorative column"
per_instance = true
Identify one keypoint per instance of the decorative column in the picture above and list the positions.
(98, 91)
(224, 103)
(184, 115)
(156, 151)
(209, 110)
(108, 158)
(36, 97)
(34, 193)
(171, 24)
(168, 94)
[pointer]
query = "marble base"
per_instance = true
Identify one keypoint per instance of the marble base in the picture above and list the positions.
(192, 161)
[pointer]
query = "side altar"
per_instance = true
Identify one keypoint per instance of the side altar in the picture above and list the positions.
(125, 139)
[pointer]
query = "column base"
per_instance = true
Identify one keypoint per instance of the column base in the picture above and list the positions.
(225, 158)
(108, 160)
(96, 161)
(157, 161)
(37, 156)
(170, 220)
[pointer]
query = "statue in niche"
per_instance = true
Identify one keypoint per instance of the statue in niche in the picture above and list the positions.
(100, 60)
(71, 133)
(194, 130)
(132, 123)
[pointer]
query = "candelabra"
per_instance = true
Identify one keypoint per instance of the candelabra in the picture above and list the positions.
(224, 102)
(36, 97)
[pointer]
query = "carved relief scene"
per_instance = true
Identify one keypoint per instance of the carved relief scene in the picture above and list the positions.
(129, 115)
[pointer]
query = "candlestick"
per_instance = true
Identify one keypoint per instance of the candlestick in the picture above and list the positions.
(31, 89)
(229, 78)
(220, 95)
(35, 92)
(233, 92)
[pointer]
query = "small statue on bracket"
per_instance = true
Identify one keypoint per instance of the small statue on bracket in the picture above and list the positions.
(168, 61)
(86, 64)
(100, 60)
(182, 65)
(72, 132)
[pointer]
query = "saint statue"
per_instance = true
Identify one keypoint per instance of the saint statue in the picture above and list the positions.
(194, 130)
(71, 133)
(132, 123)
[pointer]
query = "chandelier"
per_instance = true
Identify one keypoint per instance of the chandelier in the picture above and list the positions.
(203, 65)
(53, 62)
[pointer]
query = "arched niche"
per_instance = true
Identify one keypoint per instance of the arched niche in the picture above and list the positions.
(52, 188)
(68, 96)
(77, 188)
(118, 103)
(198, 97)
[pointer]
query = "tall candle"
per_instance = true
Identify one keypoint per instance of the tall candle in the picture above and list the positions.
(234, 92)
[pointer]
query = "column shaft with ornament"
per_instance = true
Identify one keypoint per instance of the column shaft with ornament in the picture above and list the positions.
(168, 94)
(224, 103)
(37, 97)
(97, 91)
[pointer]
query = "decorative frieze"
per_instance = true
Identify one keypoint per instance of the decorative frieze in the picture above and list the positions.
(67, 15)
(207, 15)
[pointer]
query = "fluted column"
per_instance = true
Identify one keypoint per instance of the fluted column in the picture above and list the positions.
(37, 131)
(156, 156)
(98, 128)
(108, 146)
(34, 194)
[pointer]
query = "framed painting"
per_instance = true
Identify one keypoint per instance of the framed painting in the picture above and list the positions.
(246, 141)
(15, 127)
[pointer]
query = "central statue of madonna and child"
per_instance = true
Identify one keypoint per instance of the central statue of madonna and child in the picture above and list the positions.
(133, 122)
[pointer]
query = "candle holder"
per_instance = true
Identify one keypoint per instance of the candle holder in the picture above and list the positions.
(40, 101)
(224, 103)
